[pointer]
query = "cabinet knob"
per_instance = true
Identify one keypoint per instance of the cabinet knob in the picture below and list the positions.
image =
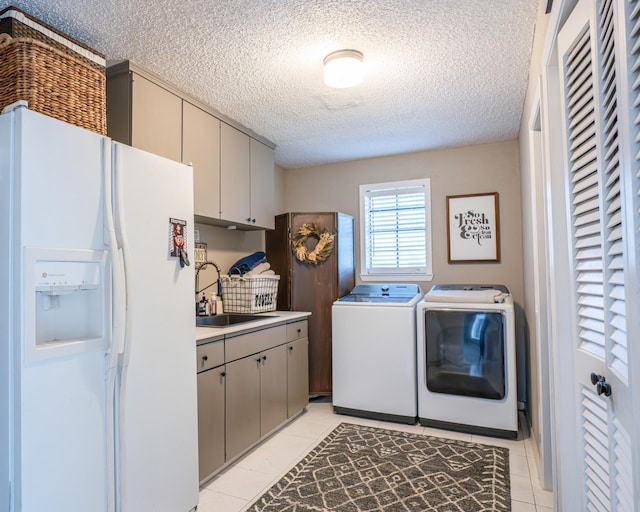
(253, 220)
(299, 331)
(264, 358)
(258, 360)
(291, 348)
(248, 219)
(223, 374)
(205, 358)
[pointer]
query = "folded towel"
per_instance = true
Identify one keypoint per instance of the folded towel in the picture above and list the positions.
(260, 268)
(268, 273)
(479, 296)
(244, 265)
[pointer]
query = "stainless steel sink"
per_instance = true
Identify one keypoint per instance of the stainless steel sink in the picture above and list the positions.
(227, 319)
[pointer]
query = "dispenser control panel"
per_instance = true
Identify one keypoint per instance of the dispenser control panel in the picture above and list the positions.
(52, 276)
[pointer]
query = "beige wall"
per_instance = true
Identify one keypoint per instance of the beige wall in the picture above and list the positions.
(279, 188)
(463, 170)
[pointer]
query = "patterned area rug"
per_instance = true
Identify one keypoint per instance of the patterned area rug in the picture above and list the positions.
(358, 469)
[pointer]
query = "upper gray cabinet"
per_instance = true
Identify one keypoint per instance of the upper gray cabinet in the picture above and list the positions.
(156, 120)
(201, 148)
(235, 180)
(263, 192)
(234, 173)
(247, 176)
(145, 115)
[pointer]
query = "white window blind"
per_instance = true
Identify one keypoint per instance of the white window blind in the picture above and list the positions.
(396, 232)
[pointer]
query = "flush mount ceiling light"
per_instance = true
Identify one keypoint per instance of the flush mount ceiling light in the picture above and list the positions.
(343, 68)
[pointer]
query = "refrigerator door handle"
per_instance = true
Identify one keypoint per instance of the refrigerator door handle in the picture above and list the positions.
(123, 244)
(112, 354)
(111, 242)
(119, 301)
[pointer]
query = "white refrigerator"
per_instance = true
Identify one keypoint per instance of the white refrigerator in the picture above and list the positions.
(97, 332)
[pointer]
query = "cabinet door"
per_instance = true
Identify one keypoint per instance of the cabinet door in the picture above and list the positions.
(210, 420)
(234, 175)
(297, 376)
(242, 404)
(156, 119)
(262, 185)
(273, 388)
(201, 147)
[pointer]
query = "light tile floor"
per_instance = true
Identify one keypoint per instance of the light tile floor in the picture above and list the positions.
(239, 485)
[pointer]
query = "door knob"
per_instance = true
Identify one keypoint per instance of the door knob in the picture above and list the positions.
(601, 384)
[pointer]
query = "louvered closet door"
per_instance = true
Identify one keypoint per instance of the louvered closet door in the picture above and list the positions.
(588, 55)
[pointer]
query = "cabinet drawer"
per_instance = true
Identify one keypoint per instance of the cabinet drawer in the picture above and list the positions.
(254, 342)
(209, 355)
(297, 330)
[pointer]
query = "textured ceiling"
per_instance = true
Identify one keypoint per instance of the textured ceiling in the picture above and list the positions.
(438, 73)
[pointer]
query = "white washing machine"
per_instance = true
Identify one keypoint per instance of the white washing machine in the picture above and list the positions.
(374, 352)
(467, 360)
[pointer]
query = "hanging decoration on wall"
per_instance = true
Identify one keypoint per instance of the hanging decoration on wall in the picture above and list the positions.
(473, 228)
(320, 252)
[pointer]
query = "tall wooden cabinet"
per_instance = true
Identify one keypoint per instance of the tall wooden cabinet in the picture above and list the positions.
(314, 288)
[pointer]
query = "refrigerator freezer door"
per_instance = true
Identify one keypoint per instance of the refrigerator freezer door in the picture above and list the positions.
(158, 407)
(58, 410)
(6, 304)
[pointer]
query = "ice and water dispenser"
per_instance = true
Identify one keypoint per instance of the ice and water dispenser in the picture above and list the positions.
(68, 296)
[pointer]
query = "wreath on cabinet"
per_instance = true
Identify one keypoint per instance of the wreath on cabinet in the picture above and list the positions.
(323, 247)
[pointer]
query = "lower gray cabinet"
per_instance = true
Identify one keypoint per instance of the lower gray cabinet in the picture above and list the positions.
(273, 388)
(256, 398)
(249, 384)
(242, 409)
(297, 376)
(211, 420)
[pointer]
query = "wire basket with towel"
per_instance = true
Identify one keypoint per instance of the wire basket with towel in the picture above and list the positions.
(251, 286)
(250, 293)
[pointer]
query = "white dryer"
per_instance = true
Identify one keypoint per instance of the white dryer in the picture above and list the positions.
(466, 360)
(374, 352)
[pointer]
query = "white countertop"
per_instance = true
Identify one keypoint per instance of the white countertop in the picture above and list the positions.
(270, 318)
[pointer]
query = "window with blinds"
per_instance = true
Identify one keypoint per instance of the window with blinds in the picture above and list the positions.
(396, 230)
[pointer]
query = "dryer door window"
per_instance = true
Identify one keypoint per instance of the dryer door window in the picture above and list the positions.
(465, 353)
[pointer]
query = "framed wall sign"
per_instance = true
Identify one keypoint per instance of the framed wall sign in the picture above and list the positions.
(473, 228)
